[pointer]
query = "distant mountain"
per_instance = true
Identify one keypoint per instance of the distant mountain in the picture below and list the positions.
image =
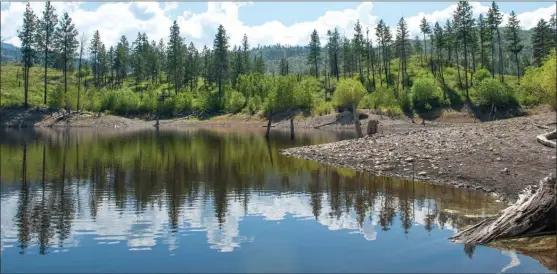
(10, 53)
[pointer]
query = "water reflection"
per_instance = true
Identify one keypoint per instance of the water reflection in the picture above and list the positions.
(144, 189)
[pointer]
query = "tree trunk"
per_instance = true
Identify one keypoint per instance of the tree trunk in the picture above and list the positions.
(292, 126)
(45, 66)
(269, 118)
(466, 65)
(532, 214)
(492, 56)
(501, 72)
(517, 67)
(357, 122)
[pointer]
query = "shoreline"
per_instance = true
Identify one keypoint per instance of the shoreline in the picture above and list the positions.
(499, 157)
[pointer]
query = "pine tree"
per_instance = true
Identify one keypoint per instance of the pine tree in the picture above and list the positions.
(358, 42)
(541, 42)
(484, 31)
(384, 38)
(94, 50)
(174, 56)
(161, 56)
(370, 61)
(494, 19)
(449, 39)
(513, 39)
(402, 42)
(66, 44)
(333, 51)
(440, 43)
(463, 23)
(79, 73)
(425, 28)
(220, 49)
(27, 36)
(346, 57)
(314, 54)
(245, 55)
(259, 64)
(45, 34)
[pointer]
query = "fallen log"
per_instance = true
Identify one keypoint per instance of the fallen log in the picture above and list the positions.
(533, 214)
(545, 139)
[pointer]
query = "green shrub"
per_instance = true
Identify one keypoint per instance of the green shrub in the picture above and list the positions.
(537, 86)
(492, 92)
(322, 107)
(206, 100)
(123, 101)
(405, 101)
(57, 98)
(183, 102)
(481, 75)
(254, 105)
(425, 94)
(348, 92)
(234, 101)
(149, 101)
(304, 92)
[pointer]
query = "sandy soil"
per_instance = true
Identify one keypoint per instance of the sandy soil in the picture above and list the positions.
(500, 157)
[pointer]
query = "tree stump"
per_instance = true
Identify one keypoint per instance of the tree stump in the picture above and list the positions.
(533, 214)
(372, 126)
(545, 139)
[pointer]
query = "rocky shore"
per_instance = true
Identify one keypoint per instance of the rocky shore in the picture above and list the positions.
(501, 157)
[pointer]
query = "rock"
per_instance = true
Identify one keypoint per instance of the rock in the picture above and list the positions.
(423, 173)
(505, 170)
(409, 160)
(498, 159)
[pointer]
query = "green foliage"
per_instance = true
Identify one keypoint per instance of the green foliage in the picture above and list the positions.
(482, 74)
(492, 92)
(304, 92)
(254, 105)
(206, 100)
(425, 94)
(322, 107)
(281, 97)
(57, 99)
(348, 92)
(538, 84)
(183, 102)
(122, 101)
(234, 101)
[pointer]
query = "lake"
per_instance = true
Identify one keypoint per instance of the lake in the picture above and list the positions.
(223, 200)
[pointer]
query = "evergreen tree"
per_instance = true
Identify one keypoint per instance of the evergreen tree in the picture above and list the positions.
(425, 28)
(494, 19)
(174, 56)
(484, 31)
(333, 51)
(161, 56)
(245, 55)
(384, 38)
(79, 73)
(513, 39)
(27, 36)
(402, 44)
(449, 40)
(541, 42)
(358, 42)
(314, 54)
(259, 64)
(220, 49)
(66, 44)
(463, 23)
(45, 36)
(94, 50)
(346, 57)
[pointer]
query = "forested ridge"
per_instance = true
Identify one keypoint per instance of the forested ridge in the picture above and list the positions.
(453, 63)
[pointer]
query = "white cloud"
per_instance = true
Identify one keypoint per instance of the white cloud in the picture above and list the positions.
(116, 19)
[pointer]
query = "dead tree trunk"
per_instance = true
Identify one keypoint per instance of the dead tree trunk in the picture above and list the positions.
(372, 127)
(270, 117)
(545, 139)
(357, 122)
(532, 214)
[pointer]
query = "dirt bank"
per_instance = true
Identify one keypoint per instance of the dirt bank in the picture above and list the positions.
(501, 156)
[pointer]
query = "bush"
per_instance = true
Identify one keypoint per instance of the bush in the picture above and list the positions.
(206, 100)
(57, 98)
(322, 107)
(253, 105)
(492, 92)
(234, 101)
(348, 92)
(304, 92)
(425, 94)
(183, 102)
(149, 101)
(481, 75)
(123, 101)
(538, 84)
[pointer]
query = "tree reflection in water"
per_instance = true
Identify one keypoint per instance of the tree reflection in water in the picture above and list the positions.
(69, 177)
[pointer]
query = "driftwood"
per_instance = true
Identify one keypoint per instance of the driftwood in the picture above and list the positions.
(545, 139)
(533, 214)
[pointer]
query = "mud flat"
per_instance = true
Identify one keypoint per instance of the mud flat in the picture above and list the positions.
(501, 157)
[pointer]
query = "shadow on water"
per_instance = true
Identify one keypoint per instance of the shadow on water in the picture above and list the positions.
(63, 190)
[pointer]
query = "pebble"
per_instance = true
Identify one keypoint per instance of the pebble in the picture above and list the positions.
(409, 159)
(505, 170)
(422, 173)
(498, 159)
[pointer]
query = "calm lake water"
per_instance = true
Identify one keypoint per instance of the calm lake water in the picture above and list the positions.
(222, 201)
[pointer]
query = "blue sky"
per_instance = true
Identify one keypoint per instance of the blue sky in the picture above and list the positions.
(263, 22)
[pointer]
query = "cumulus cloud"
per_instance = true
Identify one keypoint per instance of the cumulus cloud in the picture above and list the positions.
(116, 19)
